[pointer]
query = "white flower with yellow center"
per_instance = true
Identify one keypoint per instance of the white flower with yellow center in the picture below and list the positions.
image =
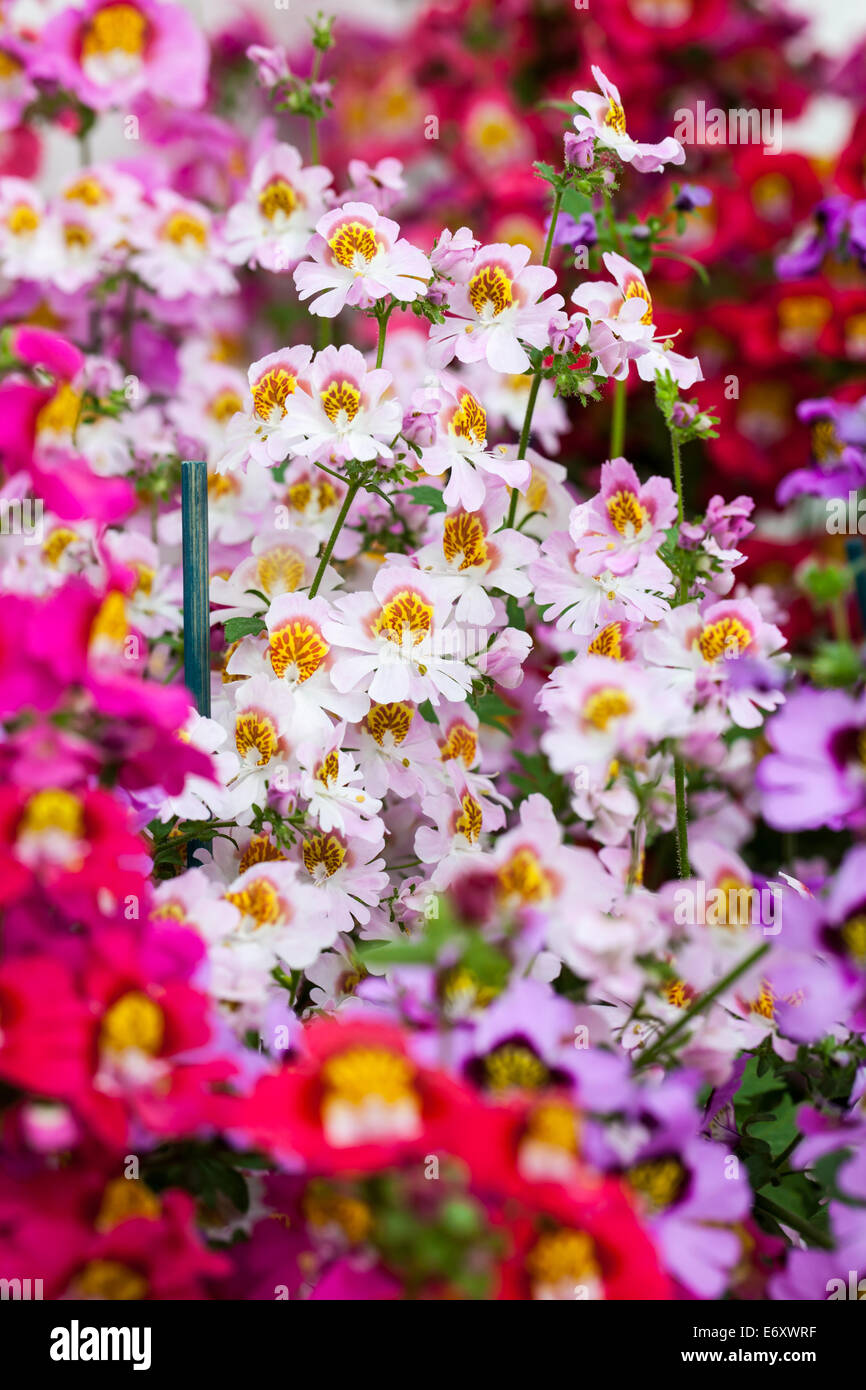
(461, 447)
(262, 730)
(601, 711)
(473, 556)
(297, 654)
(401, 641)
(358, 257)
(497, 309)
(345, 412)
(251, 430)
(606, 121)
(332, 785)
(178, 250)
(272, 224)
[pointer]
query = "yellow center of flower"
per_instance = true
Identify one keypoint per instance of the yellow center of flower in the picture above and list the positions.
(734, 910)
(323, 1206)
(110, 1279)
(490, 291)
(225, 405)
(278, 197)
(615, 117)
(394, 719)
(220, 485)
(462, 744)
(297, 650)
(562, 1257)
(256, 732)
(660, 1181)
(523, 877)
(515, 1066)
(607, 642)
(125, 1199)
(805, 314)
(110, 626)
(359, 1072)
(76, 237)
(329, 768)
(826, 445)
(270, 393)
(280, 570)
(56, 544)
(144, 577)
(354, 245)
(604, 705)
(260, 850)
(405, 617)
(464, 536)
(626, 513)
(22, 220)
(468, 823)
(469, 420)
(52, 810)
(9, 66)
(679, 994)
(341, 402)
(635, 290)
(536, 494)
(182, 228)
(60, 414)
(727, 637)
(853, 935)
(323, 855)
(133, 1021)
(88, 191)
(555, 1124)
(258, 900)
(765, 1004)
(114, 29)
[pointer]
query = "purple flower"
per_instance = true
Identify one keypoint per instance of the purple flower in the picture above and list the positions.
(691, 196)
(579, 150)
(571, 232)
(816, 773)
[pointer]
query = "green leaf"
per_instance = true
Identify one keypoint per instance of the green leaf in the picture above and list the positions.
(425, 496)
(235, 628)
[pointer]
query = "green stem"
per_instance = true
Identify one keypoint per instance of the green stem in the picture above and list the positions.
(702, 1003)
(794, 1223)
(383, 316)
(536, 381)
(684, 867)
(617, 421)
(351, 493)
(314, 120)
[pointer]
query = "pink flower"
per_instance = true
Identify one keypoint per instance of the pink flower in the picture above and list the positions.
(495, 309)
(343, 411)
(39, 347)
(16, 87)
(461, 447)
(178, 251)
(108, 53)
(358, 257)
(606, 123)
(272, 64)
(402, 643)
(626, 309)
(272, 224)
(454, 253)
(626, 519)
(382, 185)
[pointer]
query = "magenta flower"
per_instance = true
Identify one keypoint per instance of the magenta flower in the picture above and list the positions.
(108, 54)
